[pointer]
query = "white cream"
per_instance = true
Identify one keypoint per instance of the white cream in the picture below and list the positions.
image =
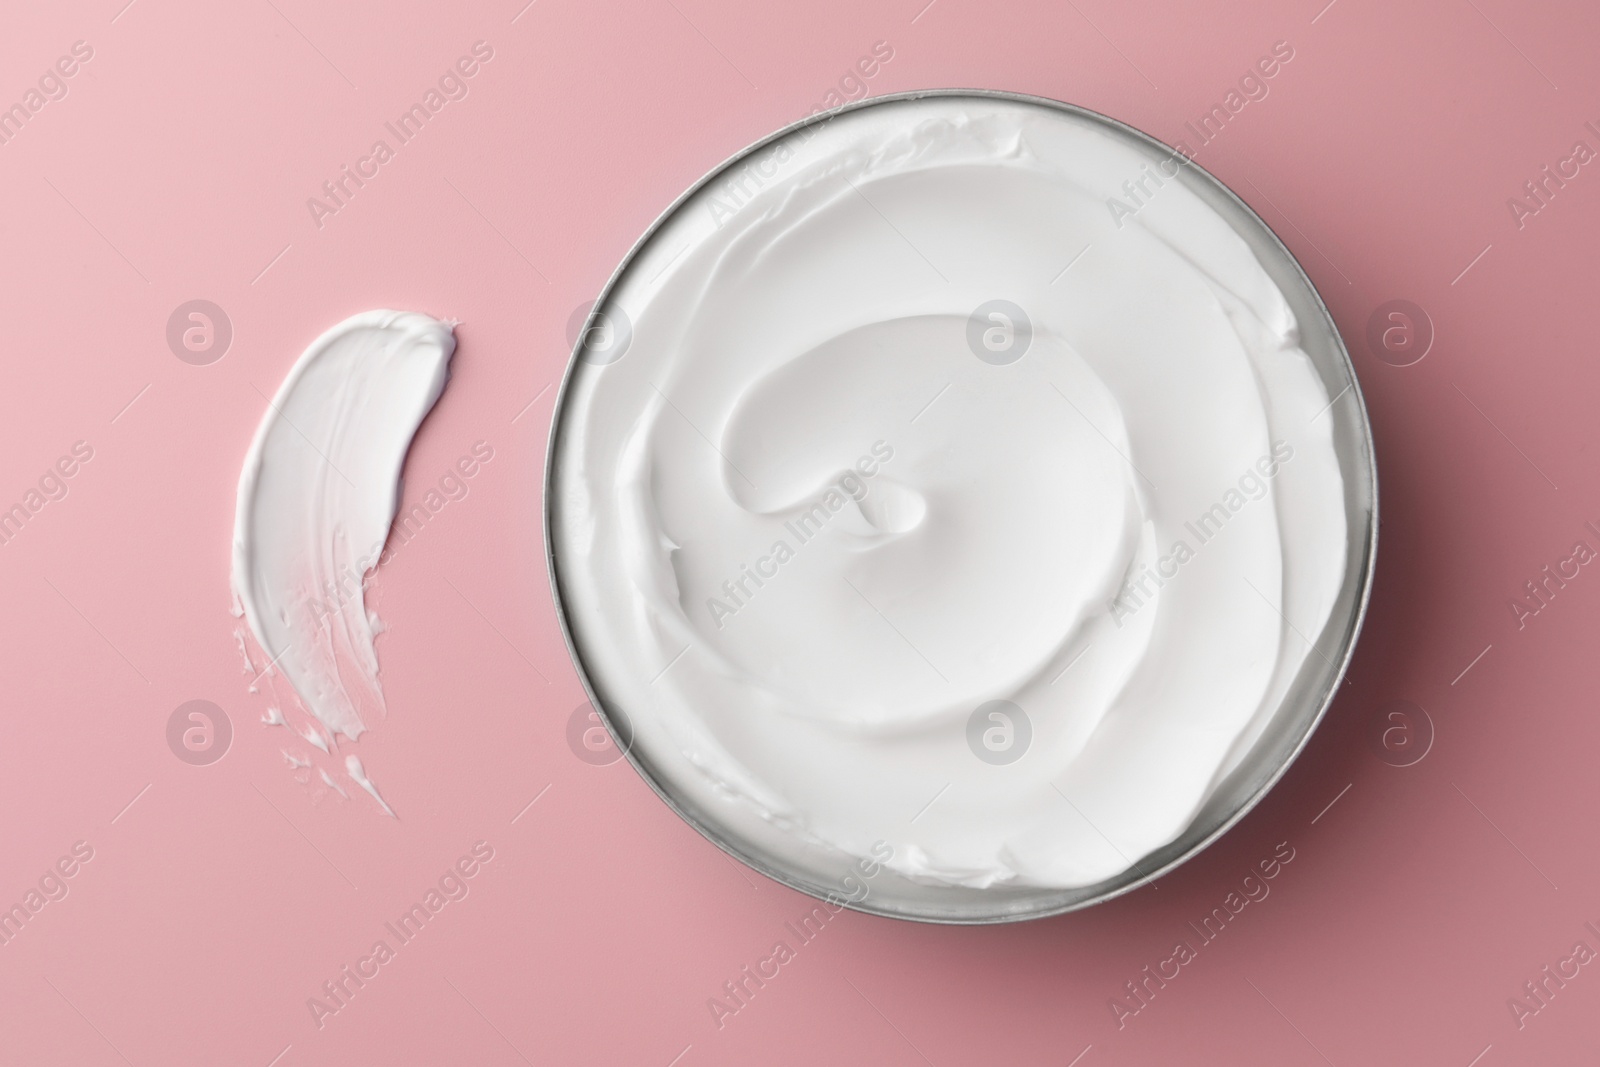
(358, 775)
(317, 496)
(808, 691)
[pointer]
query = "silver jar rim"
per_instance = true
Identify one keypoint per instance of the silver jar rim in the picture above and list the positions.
(1307, 700)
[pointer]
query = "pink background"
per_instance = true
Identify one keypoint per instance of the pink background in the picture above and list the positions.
(178, 167)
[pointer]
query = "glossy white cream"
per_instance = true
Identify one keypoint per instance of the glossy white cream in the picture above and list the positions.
(317, 496)
(812, 521)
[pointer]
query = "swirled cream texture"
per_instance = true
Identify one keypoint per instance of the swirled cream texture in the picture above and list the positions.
(931, 503)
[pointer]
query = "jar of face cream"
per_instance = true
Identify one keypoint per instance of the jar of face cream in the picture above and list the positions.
(966, 503)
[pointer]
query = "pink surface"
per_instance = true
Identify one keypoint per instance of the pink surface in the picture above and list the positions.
(219, 898)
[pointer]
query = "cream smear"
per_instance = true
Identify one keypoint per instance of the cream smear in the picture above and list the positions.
(932, 503)
(317, 496)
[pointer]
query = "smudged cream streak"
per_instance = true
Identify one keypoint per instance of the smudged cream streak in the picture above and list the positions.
(317, 496)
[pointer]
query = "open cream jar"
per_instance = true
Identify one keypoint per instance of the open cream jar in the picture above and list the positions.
(944, 537)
